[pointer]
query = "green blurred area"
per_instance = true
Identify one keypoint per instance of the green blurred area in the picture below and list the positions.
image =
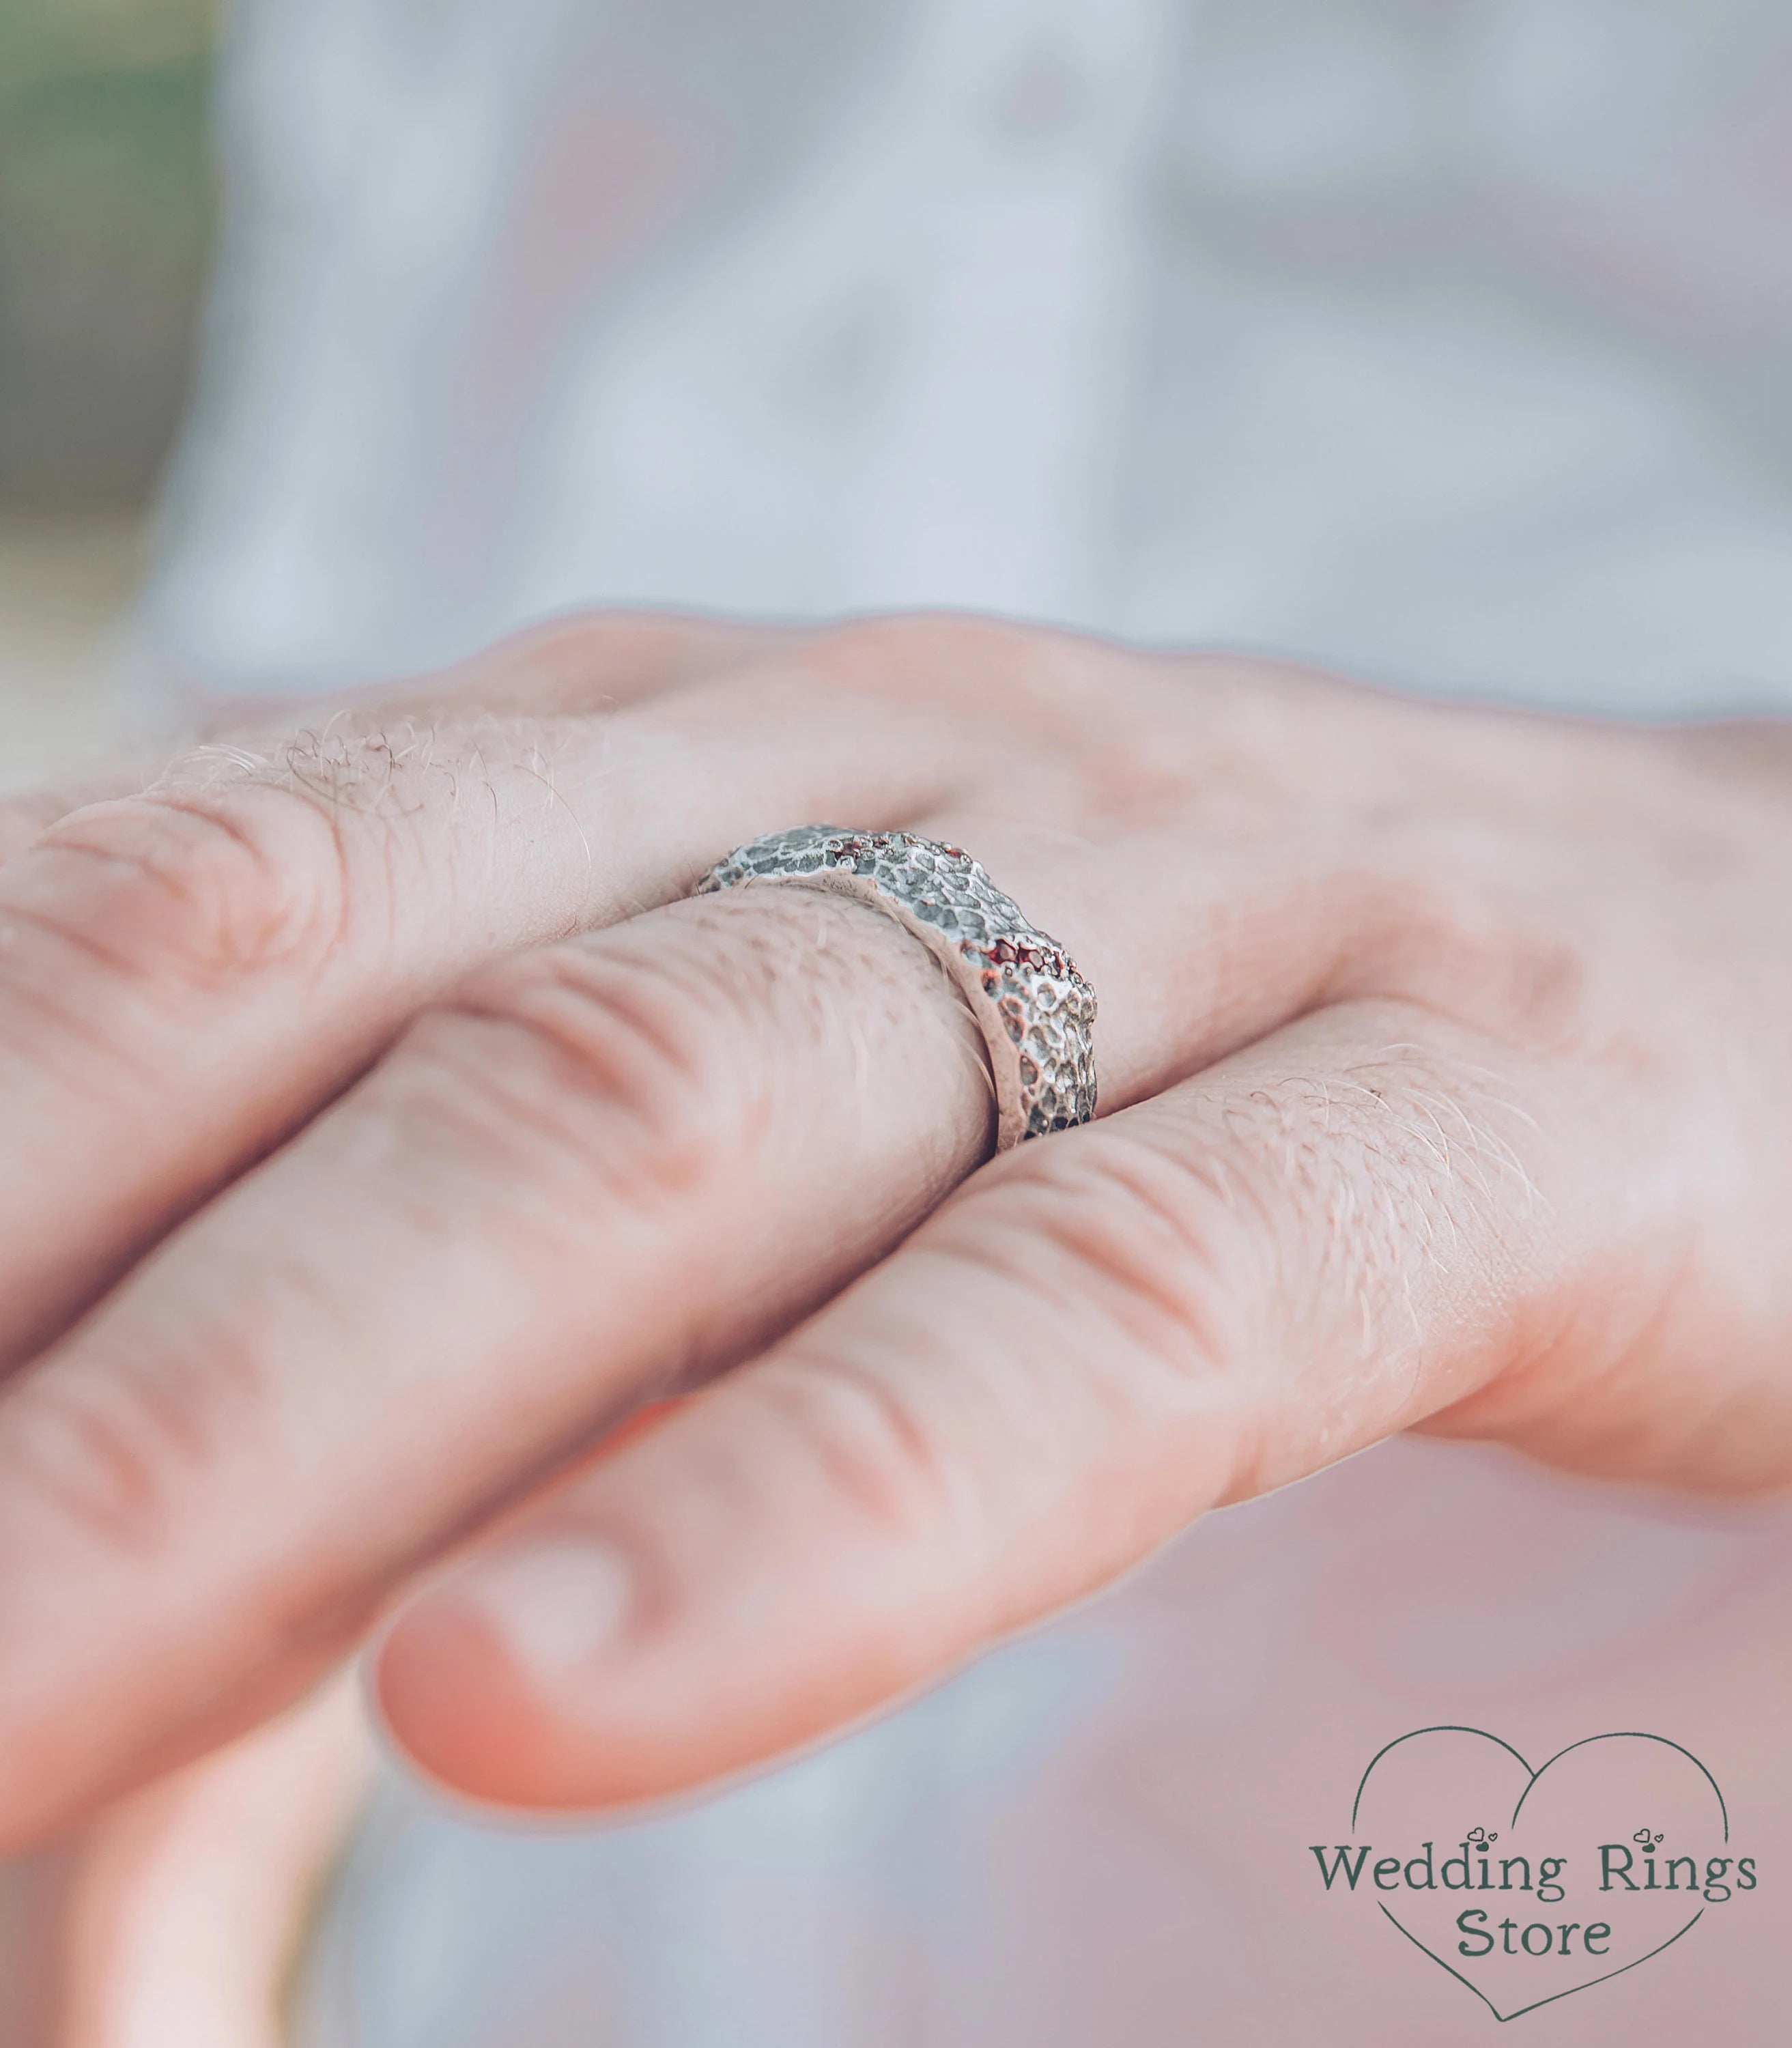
(106, 215)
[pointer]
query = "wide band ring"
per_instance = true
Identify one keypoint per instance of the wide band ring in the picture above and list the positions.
(1037, 1013)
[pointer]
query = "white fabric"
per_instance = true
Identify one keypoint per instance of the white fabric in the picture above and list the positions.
(1443, 341)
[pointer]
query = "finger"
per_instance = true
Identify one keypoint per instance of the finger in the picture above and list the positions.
(599, 1170)
(575, 665)
(185, 975)
(1319, 1241)
(176, 1916)
(603, 1168)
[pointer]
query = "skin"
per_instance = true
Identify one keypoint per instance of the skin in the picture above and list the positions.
(177, 1915)
(386, 1131)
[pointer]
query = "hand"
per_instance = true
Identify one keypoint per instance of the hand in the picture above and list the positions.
(393, 1130)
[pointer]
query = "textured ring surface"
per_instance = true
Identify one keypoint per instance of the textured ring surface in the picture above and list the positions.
(1037, 1013)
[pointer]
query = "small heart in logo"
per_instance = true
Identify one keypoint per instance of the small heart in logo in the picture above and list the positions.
(1569, 1892)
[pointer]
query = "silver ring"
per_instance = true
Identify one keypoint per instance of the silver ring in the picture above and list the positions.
(1036, 1011)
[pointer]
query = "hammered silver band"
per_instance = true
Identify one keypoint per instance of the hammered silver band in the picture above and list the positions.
(1037, 1013)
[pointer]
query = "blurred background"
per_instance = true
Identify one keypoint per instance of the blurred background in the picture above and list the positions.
(107, 202)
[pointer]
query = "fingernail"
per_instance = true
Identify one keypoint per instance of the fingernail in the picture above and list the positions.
(556, 1605)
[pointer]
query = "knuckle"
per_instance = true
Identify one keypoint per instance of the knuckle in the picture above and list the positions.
(600, 1058)
(875, 1447)
(1502, 957)
(920, 649)
(1388, 1161)
(669, 1058)
(116, 1458)
(1122, 1237)
(604, 655)
(206, 890)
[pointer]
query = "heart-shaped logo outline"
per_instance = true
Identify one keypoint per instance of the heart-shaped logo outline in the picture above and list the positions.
(1613, 1735)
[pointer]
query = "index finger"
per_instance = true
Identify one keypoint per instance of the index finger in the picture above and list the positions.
(187, 972)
